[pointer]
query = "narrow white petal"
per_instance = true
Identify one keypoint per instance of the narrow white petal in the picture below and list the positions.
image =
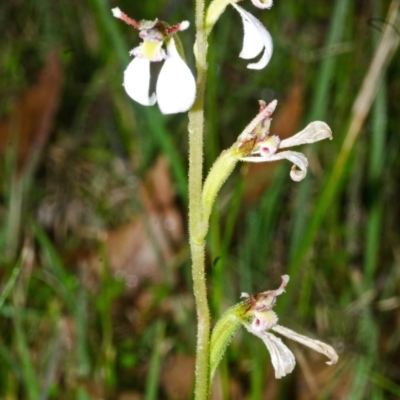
(296, 158)
(316, 345)
(256, 38)
(137, 81)
(252, 41)
(176, 87)
(313, 132)
(282, 358)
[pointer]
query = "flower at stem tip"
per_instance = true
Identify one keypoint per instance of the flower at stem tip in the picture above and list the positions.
(176, 86)
(255, 144)
(256, 38)
(259, 318)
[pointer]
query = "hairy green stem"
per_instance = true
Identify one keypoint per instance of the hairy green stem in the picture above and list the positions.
(196, 230)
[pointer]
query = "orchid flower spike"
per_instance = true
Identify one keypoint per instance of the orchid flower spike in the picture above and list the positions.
(176, 87)
(256, 37)
(255, 144)
(259, 319)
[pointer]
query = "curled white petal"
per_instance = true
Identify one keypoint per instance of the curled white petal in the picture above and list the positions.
(282, 358)
(176, 87)
(137, 81)
(298, 159)
(313, 132)
(316, 345)
(256, 38)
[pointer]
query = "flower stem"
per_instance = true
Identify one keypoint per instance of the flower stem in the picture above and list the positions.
(196, 229)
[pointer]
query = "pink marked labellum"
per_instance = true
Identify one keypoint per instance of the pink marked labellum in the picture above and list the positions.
(255, 144)
(259, 319)
(176, 86)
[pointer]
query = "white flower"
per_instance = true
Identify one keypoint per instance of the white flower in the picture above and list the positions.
(176, 88)
(256, 38)
(264, 147)
(265, 319)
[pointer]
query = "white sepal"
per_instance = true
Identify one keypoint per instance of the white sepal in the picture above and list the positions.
(137, 81)
(313, 132)
(256, 38)
(176, 87)
(282, 358)
(314, 344)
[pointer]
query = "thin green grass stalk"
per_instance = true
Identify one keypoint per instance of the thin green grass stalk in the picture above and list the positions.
(360, 381)
(10, 284)
(9, 363)
(319, 106)
(333, 183)
(269, 215)
(385, 383)
(74, 297)
(107, 359)
(50, 375)
(81, 323)
(14, 215)
(28, 373)
(258, 371)
(27, 369)
(155, 364)
(376, 164)
(54, 263)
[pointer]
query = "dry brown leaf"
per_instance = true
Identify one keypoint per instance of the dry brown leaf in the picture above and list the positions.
(29, 126)
(177, 376)
(139, 250)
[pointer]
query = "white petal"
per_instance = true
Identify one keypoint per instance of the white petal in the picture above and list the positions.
(176, 87)
(252, 41)
(313, 132)
(137, 81)
(282, 358)
(316, 345)
(296, 158)
(256, 38)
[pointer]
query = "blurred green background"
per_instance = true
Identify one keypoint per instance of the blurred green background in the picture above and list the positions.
(95, 281)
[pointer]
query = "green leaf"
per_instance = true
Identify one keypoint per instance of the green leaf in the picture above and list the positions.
(223, 333)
